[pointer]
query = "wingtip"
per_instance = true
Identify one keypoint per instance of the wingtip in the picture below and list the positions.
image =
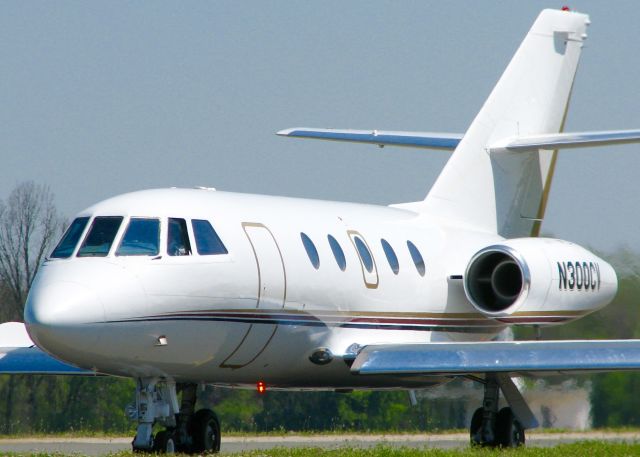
(286, 132)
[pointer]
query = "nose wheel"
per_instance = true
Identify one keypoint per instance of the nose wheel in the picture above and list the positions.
(164, 442)
(184, 430)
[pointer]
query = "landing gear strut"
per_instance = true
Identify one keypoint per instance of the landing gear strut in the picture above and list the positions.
(185, 430)
(504, 427)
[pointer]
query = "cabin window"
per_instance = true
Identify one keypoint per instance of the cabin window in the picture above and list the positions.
(68, 243)
(338, 253)
(100, 237)
(391, 256)
(365, 255)
(312, 252)
(417, 257)
(178, 238)
(207, 240)
(141, 238)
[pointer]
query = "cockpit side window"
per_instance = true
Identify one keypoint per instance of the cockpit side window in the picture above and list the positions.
(178, 238)
(68, 243)
(141, 238)
(207, 240)
(100, 237)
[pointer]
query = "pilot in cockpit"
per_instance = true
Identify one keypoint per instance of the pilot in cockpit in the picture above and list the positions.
(178, 238)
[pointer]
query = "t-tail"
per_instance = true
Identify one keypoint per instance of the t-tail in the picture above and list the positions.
(499, 176)
(505, 192)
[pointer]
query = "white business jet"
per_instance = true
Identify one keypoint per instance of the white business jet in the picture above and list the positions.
(182, 287)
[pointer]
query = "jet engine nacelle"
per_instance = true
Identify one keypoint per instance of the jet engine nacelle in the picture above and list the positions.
(538, 276)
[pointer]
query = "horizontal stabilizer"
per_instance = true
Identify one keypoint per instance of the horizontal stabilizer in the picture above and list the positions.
(444, 141)
(566, 140)
(529, 358)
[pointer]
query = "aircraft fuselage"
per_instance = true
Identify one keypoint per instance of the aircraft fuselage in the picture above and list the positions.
(266, 309)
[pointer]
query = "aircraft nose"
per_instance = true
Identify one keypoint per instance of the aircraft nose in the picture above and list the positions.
(55, 308)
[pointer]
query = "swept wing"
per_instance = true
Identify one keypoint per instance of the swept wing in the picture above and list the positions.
(515, 358)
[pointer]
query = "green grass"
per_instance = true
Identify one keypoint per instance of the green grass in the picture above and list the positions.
(579, 449)
(582, 449)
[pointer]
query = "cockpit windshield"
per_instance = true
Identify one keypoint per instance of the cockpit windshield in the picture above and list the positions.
(100, 237)
(141, 238)
(68, 243)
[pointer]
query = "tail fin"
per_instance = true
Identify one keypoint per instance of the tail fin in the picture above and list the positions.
(505, 192)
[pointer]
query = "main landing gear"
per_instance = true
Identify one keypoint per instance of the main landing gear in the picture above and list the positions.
(184, 429)
(504, 427)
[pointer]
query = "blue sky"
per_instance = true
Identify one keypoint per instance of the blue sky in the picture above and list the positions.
(100, 98)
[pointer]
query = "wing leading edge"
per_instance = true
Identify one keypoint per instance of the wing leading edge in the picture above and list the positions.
(517, 358)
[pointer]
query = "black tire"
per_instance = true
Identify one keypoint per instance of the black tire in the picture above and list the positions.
(164, 442)
(509, 431)
(475, 429)
(205, 429)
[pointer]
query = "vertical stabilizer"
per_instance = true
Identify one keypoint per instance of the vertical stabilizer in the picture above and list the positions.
(505, 192)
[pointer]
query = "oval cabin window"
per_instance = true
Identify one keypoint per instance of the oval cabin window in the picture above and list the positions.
(365, 255)
(312, 252)
(391, 256)
(338, 253)
(416, 257)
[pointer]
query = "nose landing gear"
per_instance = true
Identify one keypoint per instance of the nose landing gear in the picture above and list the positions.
(184, 429)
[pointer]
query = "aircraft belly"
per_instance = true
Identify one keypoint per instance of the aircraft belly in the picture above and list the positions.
(196, 351)
(176, 349)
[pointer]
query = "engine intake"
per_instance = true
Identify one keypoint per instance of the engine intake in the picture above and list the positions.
(495, 279)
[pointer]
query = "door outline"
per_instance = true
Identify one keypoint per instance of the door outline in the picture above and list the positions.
(370, 284)
(258, 225)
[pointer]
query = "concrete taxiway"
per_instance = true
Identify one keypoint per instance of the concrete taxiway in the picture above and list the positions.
(104, 446)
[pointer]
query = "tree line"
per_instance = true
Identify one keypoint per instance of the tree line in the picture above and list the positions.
(30, 224)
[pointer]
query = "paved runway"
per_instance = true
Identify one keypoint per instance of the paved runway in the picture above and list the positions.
(104, 446)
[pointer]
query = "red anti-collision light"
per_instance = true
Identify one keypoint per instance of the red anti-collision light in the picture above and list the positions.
(262, 387)
(566, 8)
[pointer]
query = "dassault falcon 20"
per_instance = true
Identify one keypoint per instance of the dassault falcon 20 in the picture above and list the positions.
(182, 287)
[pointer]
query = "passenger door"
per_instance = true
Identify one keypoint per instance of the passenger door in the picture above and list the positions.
(272, 290)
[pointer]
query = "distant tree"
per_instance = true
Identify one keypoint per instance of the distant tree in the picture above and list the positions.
(29, 223)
